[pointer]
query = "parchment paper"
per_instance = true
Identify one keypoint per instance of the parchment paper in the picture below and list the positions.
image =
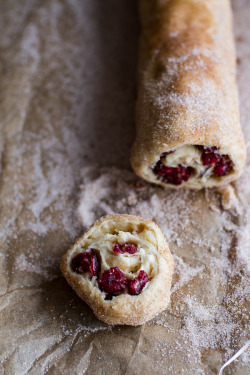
(67, 95)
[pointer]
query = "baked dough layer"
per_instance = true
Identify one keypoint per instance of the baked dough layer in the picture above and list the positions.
(153, 256)
(187, 92)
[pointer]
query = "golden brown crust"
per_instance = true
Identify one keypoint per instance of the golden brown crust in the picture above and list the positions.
(124, 309)
(187, 90)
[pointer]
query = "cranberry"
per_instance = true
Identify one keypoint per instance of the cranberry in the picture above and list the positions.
(186, 172)
(210, 158)
(172, 175)
(117, 249)
(160, 169)
(86, 262)
(223, 166)
(113, 281)
(127, 248)
(136, 285)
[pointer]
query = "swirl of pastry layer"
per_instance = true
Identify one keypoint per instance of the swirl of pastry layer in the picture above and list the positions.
(122, 268)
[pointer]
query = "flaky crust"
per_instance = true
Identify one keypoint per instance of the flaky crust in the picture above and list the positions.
(124, 309)
(187, 90)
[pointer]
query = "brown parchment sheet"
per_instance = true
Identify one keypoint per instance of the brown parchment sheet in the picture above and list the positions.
(67, 97)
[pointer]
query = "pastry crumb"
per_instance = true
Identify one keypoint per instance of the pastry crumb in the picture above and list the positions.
(228, 197)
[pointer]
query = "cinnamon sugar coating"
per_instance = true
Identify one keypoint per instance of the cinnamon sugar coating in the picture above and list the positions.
(187, 93)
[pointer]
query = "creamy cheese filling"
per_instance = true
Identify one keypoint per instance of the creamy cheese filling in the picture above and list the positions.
(189, 156)
(117, 258)
(145, 258)
(192, 162)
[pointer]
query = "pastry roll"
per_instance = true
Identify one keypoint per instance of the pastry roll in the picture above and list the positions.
(187, 117)
(122, 268)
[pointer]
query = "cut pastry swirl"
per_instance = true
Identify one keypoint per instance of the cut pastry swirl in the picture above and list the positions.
(122, 268)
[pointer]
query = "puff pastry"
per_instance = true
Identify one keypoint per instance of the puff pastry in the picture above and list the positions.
(187, 117)
(122, 268)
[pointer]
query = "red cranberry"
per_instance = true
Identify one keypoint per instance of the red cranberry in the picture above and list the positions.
(136, 285)
(86, 262)
(113, 281)
(223, 166)
(172, 175)
(210, 158)
(186, 172)
(127, 248)
(117, 249)
(160, 169)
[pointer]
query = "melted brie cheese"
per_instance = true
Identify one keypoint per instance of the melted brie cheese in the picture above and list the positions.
(189, 156)
(145, 258)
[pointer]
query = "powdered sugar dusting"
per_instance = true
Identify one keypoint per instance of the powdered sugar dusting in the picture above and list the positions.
(23, 264)
(189, 85)
(218, 330)
(185, 272)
